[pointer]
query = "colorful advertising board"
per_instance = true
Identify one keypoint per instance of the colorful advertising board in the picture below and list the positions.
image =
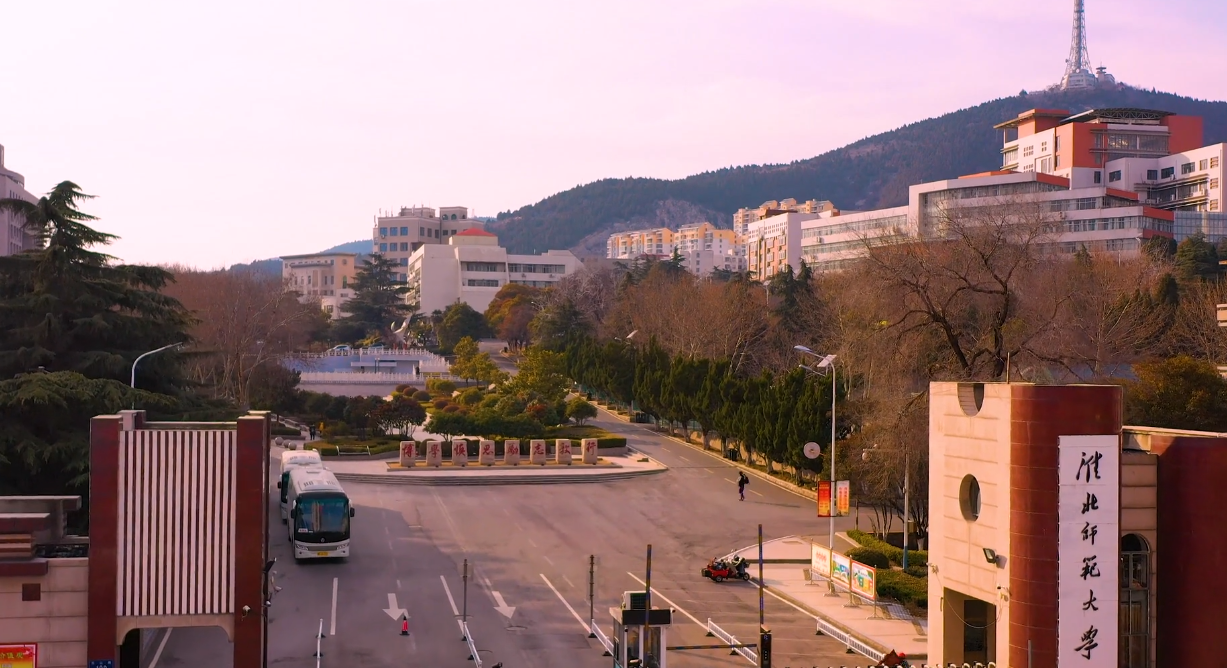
(843, 497)
(841, 569)
(820, 560)
(864, 579)
(19, 656)
(824, 498)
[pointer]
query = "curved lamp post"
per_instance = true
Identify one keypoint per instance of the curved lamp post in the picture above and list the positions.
(144, 355)
(826, 364)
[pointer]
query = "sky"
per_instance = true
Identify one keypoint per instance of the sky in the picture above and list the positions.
(222, 132)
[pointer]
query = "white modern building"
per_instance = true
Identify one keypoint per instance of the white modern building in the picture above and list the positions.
(398, 237)
(774, 243)
(471, 267)
(744, 216)
(13, 237)
(703, 247)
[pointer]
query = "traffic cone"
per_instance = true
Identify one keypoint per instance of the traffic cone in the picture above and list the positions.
(404, 626)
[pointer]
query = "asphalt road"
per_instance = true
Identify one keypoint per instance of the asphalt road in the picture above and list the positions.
(529, 547)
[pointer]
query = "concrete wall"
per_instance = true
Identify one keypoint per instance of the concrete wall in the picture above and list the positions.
(964, 440)
(57, 622)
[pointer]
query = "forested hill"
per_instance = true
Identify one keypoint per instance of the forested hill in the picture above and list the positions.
(871, 173)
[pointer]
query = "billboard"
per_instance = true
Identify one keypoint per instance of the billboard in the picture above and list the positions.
(824, 498)
(19, 656)
(820, 560)
(1088, 550)
(843, 497)
(841, 568)
(864, 580)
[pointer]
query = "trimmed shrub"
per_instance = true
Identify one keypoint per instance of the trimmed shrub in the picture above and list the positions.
(421, 396)
(402, 389)
(440, 386)
(869, 557)
(914, 570)
(903, 587)
(440, 404)
(611, 442)
(469, 397)
(895, 554)
(278, 430)
(451, 408)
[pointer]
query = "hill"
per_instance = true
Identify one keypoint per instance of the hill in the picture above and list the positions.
(871, 173)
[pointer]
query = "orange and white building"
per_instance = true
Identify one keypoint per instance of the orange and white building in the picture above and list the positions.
(702, 246)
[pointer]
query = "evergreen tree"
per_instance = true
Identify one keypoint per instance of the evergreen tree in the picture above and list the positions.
(72, 322)
(1196, 259)
(379, 298)
(461, 321)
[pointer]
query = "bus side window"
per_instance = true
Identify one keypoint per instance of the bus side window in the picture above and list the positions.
(351, 512)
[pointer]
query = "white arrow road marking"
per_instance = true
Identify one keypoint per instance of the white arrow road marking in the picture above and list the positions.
(501, 606)
(394, 611)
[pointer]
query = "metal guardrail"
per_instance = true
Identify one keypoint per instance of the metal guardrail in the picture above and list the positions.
(746, 653)
(319, 637)
(601, 637)
(851, 642)
(468, 639)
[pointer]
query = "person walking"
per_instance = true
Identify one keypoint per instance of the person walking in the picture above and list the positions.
(742, 481)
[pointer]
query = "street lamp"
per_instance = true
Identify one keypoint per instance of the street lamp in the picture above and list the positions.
(827, 364)
(907, 509)
(144, 355)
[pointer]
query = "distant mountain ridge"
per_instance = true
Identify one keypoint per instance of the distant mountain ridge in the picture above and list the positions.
(872, 173)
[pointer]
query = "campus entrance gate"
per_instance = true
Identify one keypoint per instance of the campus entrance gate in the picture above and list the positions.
(168, 546)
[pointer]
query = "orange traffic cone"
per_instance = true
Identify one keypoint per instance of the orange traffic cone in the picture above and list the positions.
(404, 626)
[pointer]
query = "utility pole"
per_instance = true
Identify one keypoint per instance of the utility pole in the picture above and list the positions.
(591, 595)
(647, 619)
(464, 610)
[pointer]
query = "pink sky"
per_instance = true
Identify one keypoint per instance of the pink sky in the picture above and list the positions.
(229, 131)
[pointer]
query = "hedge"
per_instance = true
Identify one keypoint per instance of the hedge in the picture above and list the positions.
(278, 430)
(869, 557)
(903, 587)
(895, 554)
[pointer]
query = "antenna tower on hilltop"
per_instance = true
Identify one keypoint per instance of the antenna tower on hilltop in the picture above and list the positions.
(1078, 66)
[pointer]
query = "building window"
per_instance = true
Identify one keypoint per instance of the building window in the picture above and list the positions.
(1056, 161)
(482, 283)
(1056, 144)
(421, 231)
(1098, 159)
(1213, 184)
(383, 231)
(1028, 151)
(1043, 147)
(1134, 602)
(404, 262)
(404, 231)
(1203, 165)
(483, 266)
(1168, 172)
(1152, 175)
(404, 245)
(383, 248)
(392, 231)
(1213, 163)
(1098, 177)
(1114, 176)
(969, 498)
(1187, 168)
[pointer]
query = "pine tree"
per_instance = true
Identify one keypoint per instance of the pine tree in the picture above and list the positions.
(379, 297)
(72, 322)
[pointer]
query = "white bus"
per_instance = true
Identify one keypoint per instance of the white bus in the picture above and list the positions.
(319, 514)
(291, 459)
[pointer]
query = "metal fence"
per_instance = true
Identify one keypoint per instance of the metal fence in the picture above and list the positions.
(602, 638)
(746, 653)
(851, 642)
(468, 639)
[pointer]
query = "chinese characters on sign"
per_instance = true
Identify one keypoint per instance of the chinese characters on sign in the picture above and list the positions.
(19, 656)
(820, 560)
(824, 498)
(1088, 550)
(843, 497)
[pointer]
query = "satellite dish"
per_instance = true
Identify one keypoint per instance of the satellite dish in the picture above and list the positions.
(812, 450)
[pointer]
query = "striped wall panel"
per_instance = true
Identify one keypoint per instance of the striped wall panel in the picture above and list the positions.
(176, 522)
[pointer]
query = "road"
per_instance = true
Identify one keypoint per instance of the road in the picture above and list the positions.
(529, 548)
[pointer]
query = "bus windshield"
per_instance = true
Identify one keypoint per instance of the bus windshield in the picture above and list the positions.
(324, 518)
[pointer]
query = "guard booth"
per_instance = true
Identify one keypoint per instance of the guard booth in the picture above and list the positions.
(639, 633)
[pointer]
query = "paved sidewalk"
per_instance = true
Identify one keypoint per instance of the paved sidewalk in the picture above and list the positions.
(785, 566)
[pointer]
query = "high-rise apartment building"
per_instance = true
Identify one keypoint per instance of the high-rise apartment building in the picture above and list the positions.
(743, 217)
(13, 236)
(328, 277)
(398, 237)
(703, 247)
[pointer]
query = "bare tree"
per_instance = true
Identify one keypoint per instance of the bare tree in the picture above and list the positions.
(244, 320)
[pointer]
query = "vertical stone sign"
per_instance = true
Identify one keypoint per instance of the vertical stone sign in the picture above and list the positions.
(460, 453)
(511, 452)
(434, 453)
(562, 451)
(1088, 549)
(590, 450)
(408, 454)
